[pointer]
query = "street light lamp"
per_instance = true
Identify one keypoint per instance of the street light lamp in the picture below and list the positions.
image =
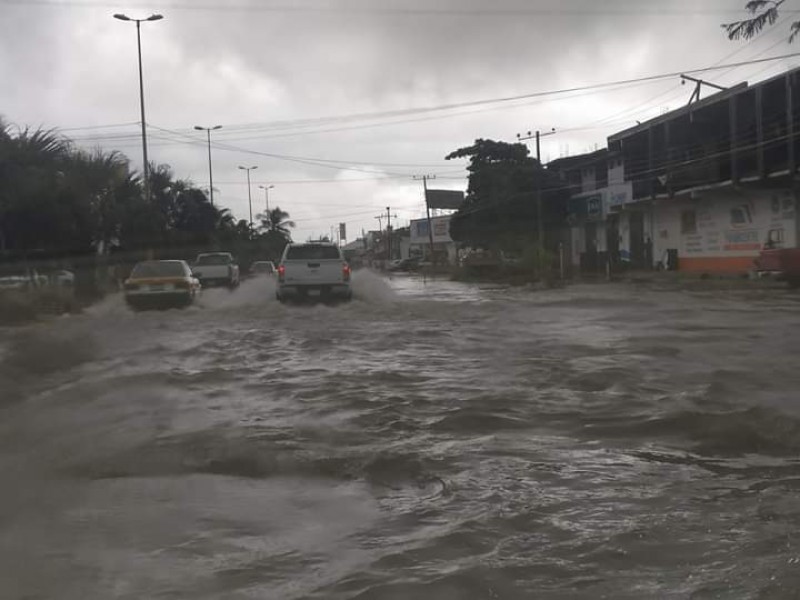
(266, 189)
(249, 196)
(145, 167)
(208, 131)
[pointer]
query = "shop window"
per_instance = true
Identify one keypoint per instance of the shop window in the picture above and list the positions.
(689, 221)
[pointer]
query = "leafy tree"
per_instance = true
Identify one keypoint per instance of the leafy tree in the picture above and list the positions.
(500, 207)
(765, 12)
(67, 203)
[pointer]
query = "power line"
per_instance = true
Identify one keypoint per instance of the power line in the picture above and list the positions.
(94, 127)
(764, 33)
(230, 148)
(515, 98)
(394, 11)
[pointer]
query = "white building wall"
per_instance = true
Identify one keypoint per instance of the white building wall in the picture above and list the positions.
(588, 180)
(405, 247)
(602, 242)
(724, 230)
(616, 172)
(624, 237)
(667, 228)
(578, 245)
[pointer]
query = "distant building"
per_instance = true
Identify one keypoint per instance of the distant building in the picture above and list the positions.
(444, 248)
(587, 243)
(355, 251)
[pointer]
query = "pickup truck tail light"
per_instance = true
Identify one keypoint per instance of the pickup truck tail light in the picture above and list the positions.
(346, 272)
(281, 273)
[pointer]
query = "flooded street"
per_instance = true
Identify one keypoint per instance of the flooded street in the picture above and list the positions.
(428, 440)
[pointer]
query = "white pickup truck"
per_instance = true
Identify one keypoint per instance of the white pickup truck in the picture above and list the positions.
(216, 268)
(311, 271)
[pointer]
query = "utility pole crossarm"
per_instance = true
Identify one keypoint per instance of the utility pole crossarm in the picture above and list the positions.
(699, 83)
(536, 135)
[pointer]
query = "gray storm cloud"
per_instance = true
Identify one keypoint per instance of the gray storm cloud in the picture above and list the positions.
(262, 62)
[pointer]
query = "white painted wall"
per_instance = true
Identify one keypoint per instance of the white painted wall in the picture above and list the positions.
(729, 223)
(624, 237)
(667, 228)
(602, 245)
(616, 172)
(588, 180)
(578, 245)
(405, 247)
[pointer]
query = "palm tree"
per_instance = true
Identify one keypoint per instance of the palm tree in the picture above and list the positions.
(276, 221)
(225, 220)
(31, 164)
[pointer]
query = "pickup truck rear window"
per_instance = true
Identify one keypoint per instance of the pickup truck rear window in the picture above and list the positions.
(312, 253)
(214, 259)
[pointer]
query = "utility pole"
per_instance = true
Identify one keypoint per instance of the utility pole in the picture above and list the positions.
(539, 213)
(424, 179)
(389, 232)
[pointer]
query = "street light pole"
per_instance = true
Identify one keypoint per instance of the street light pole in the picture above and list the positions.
(249, 191)
(208, 131)
(266, 189)
(145, 166)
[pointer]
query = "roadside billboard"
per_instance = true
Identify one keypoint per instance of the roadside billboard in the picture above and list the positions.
(444, 199)
(441, 230)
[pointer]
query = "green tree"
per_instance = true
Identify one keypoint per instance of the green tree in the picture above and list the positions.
(31, 169)
(64, 201)
(274, 232)
(764, 12)
(276, 220)
(500, 207)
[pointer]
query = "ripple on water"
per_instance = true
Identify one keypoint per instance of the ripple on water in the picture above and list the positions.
(429, 439)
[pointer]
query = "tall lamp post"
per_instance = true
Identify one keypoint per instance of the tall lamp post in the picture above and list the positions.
(249, 194)
(208, 131)
(145, 166)
(266, 189)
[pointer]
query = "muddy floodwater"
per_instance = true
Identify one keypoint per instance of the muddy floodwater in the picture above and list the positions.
(428, 440)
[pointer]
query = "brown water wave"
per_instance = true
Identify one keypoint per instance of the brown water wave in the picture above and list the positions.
(428, 440)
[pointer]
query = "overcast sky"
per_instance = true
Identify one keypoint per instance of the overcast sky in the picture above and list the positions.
(325, 81)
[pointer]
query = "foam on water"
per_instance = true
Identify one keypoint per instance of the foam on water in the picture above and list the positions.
(429, 439)
(252, 292)
(371, 288)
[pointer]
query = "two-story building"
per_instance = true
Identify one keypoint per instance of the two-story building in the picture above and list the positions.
(598, 235)
(704, 188)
